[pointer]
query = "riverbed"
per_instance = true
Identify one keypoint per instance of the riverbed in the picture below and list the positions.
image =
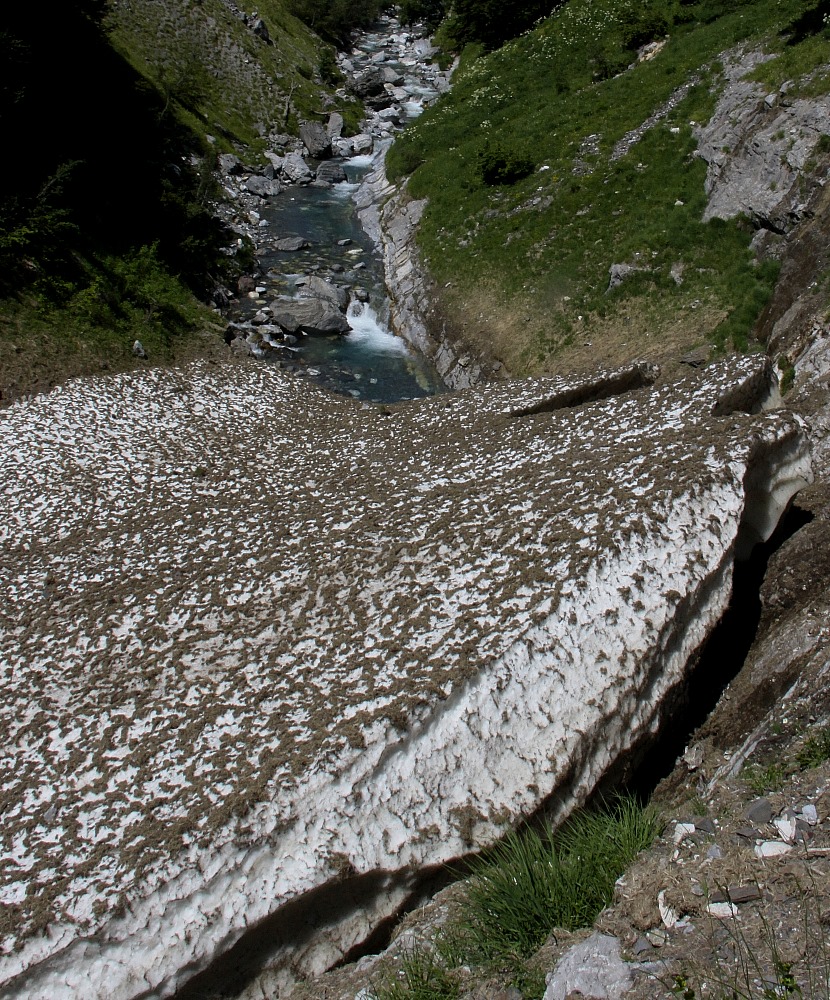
(369, 362)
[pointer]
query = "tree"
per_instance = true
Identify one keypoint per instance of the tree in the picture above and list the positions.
(492, 22)
(431, 12)
(334, 20)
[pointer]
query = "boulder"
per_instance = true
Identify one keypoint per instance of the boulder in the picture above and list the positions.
(342, 147)
(312, 316)
(331, 173)
(379, 102)
(424, 49)
(221, 297)
(286, 321)
(593, 968)
(315, 287)
(230, 164)
(262, 186)
(316, 140)
(363, 143)
(295, 169)
(290, 244)
(276, 160)
(334, 128)
(259, 28)
(369, 83)
(617, 274)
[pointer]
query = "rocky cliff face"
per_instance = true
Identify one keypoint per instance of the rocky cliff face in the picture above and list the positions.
(759, 148)
(391, 217)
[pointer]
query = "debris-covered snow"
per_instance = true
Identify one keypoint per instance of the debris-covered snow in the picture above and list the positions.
(257, 639)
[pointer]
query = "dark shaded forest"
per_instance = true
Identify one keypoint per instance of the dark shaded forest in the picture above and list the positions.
(94, 168)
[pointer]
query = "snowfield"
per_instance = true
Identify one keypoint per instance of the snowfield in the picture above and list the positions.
(256, 639)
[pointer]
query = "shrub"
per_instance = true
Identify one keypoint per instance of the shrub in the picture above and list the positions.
(334, 20)
(787, 369)
(643, 25)
(404, 157)
(812, 21)
(327, 65)
(764, 779)
(499, 166)
(431, 12)
(492, 22)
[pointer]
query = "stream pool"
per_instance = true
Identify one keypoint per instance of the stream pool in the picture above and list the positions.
(369, 363)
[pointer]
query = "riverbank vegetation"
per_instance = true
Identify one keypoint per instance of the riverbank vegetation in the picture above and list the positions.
(606, 141)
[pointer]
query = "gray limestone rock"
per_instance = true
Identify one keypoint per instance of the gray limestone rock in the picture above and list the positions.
(262, 186)
(759, 812)
(315, 287)
(285, 320)
(313, 316)
(697, 357)
(334, 128)
(230, 164)
(755, 151)
(369, 84)
(331, 173)
(316, 140)
(291, 244)
(363, 143)
(295, 169)
(617, 274)
(594, 967)
(342, 147)
(275, 160)
(259, 28)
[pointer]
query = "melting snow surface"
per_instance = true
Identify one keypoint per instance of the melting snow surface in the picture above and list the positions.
(252, 632)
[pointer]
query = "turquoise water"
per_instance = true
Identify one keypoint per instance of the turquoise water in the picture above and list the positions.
(370, 362)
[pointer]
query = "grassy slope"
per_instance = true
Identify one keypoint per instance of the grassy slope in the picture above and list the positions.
(223, 79)
(528, 263)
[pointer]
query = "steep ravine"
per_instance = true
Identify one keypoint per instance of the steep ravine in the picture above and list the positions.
(398, 632)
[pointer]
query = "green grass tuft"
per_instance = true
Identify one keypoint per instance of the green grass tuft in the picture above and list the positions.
(422, 976)
(764, 779)
(816, 749)
(533, 882)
